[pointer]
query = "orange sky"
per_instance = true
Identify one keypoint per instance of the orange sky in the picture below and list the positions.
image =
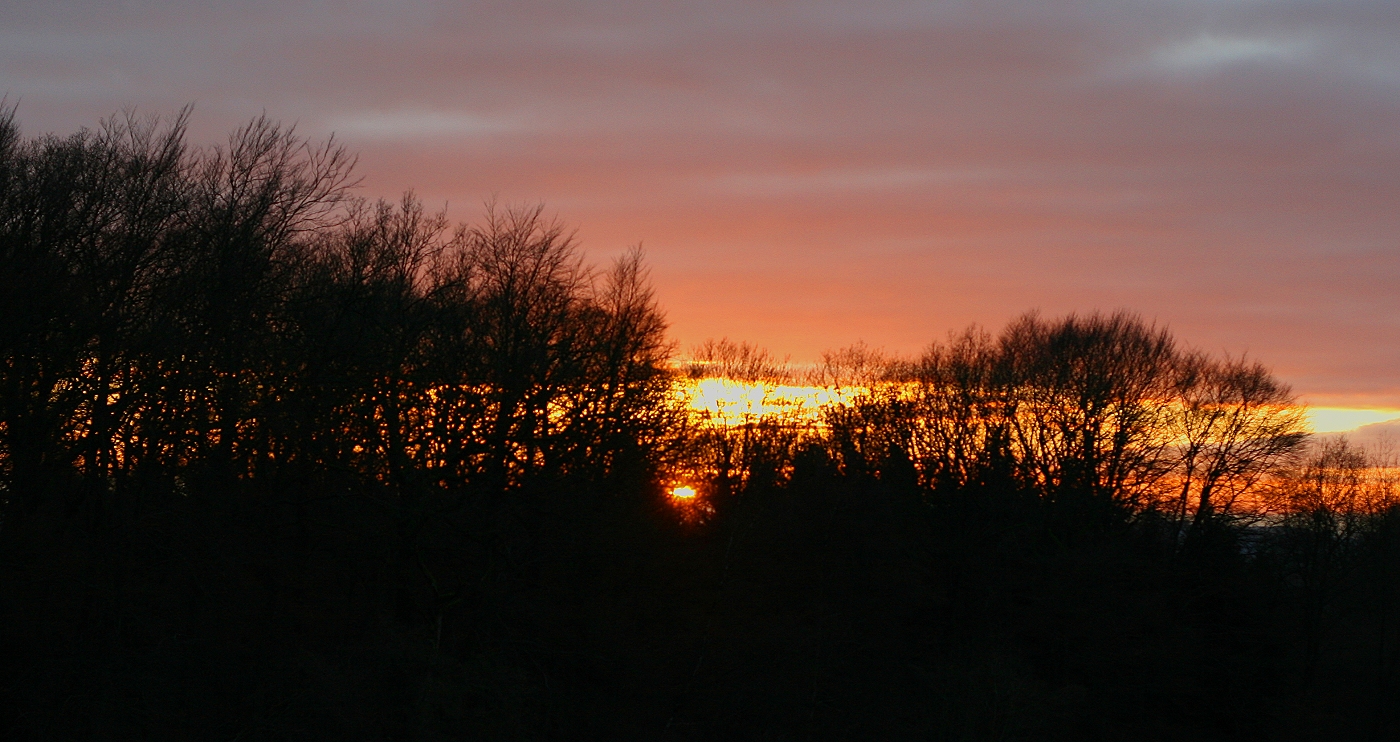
(805, 175)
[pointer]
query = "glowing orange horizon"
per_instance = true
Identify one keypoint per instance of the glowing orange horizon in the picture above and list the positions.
(728, 402)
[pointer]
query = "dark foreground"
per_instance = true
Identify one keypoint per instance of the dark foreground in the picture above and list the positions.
(832, 608)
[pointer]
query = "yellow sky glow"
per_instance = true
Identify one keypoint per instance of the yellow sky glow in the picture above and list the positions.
(1342, 419)
(731, 402)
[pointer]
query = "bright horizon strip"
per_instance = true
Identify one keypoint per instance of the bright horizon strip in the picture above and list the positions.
(1347, 419)
(727, 398)
(729, 401)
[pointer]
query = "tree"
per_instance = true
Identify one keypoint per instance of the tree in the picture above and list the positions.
(90, 242)
(1232, 425)
(1086, 408)
(1333, 508)
(259, 203)
(961, 432)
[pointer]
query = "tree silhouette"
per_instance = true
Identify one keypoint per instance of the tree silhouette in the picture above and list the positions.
(280, 462)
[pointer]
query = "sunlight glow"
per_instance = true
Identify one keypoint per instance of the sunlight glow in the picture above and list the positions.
(729, 402)
(1342, 419)
(683, 493)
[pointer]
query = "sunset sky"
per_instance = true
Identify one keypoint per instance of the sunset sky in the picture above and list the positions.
(803, 175)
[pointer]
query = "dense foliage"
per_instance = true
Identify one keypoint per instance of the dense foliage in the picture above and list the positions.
(280, 463)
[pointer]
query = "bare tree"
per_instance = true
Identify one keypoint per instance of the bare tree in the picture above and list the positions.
(1085, 406)
(737, 361)
(871, 417)
(961, 430)
(90, 239)
(1332, 505)
(1232, 425)
(259, 203)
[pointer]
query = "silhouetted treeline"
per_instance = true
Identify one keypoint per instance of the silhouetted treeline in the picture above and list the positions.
(281, 463)
(235, 309)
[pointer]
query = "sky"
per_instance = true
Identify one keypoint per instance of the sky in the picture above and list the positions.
(805, 175)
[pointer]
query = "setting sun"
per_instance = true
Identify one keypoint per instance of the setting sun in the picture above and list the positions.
(683, 493)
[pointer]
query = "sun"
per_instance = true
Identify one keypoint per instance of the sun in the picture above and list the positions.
(683, 493)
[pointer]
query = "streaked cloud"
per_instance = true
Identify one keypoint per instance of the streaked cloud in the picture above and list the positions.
(839, 181)
(1208, 51)
(406, 124)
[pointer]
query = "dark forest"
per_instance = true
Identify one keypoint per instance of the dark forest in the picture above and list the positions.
(281, 463)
